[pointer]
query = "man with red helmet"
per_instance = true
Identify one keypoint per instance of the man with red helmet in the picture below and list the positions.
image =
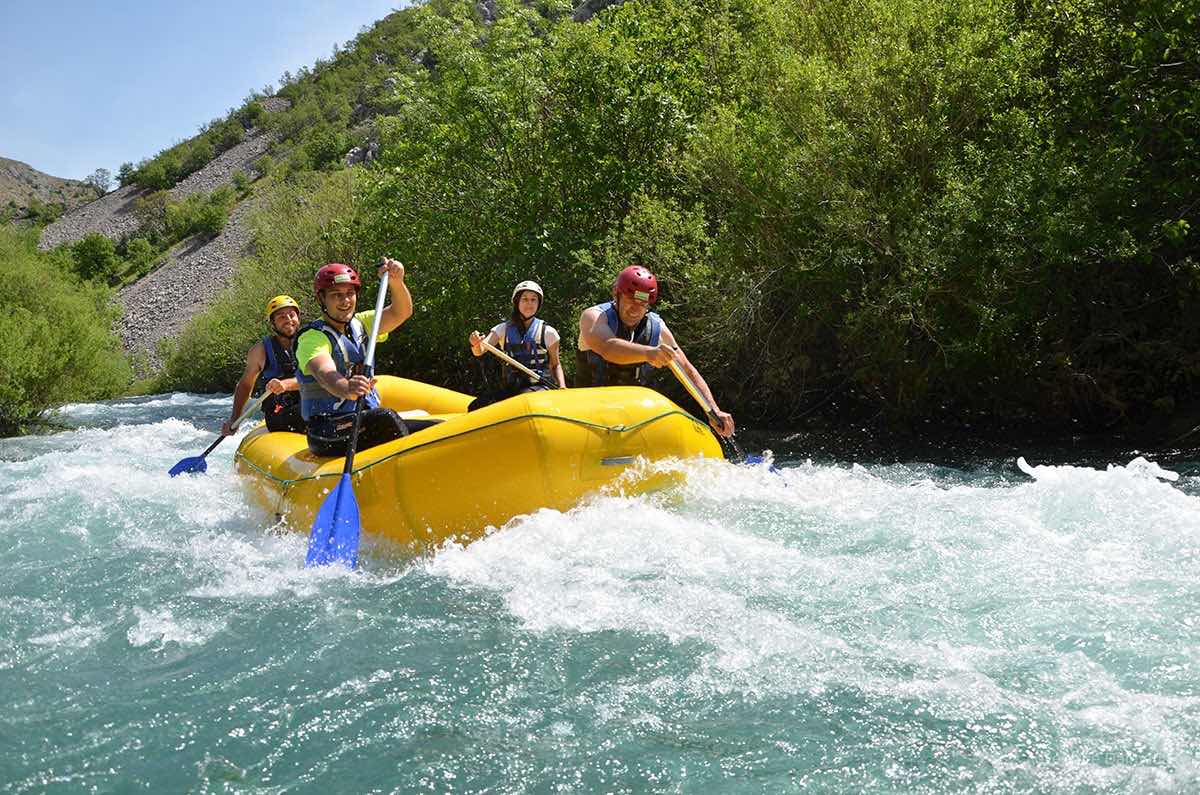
(329, 351)
(622, 341)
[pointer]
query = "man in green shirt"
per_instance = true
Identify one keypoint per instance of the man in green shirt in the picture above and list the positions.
(329, 356)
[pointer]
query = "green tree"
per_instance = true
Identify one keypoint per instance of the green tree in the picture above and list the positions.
(96, 258)
(126, 174)
(100, 180)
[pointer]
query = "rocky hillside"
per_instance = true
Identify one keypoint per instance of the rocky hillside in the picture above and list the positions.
(21, 184)
(158, 306)
(112, 215)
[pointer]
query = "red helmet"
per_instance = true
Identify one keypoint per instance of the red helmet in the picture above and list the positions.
(336, 273)
(638, 282)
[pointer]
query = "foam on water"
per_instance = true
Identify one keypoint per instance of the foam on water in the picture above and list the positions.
(903, 628)
(1065, 604)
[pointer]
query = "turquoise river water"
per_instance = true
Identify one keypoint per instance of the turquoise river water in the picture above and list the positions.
(837, 626)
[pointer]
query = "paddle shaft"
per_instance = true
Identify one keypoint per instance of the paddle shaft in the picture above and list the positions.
(709, 409)
(368, 371)
(510, 360)
(253, 407)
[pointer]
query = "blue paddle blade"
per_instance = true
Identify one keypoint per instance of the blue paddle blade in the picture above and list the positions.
(194, 464)
(758, 460)
(336, 529)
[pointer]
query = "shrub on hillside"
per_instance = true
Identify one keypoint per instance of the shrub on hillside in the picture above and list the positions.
(151, 213)
(140, 256)
(44, 213)
(228, 135)
(59, 333)
(264, 166)
(324, 147)
(251, 114)
(241, 184)
(197, 157)
(158, 174)
(96, 258)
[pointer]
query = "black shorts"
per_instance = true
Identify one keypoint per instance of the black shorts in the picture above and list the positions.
(284, 417)
(328, 435)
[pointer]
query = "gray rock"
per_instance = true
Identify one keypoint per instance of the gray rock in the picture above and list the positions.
(160, 305)
(362, 154)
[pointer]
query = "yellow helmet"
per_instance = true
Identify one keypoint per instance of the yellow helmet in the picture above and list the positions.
(280, 302)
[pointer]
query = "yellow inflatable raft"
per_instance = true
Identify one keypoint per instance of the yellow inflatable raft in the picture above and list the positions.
(464, 472)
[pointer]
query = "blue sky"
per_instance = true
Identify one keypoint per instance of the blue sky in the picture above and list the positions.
(87, 85)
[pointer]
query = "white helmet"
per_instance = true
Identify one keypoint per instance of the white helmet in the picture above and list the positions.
(532, 287)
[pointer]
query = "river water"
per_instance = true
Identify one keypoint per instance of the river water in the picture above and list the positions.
(833, 626)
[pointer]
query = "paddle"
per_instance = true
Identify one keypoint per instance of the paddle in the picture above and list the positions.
(711, 412)
(337, 528)
(541, 379)
(197, 463)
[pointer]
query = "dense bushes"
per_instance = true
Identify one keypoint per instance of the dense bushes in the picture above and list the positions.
(935, 207)
(58, 334)
(164, 220)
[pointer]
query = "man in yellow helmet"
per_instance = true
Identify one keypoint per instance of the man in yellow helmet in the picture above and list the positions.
(271, 366)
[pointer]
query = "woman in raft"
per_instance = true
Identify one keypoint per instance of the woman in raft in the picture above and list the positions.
(526, 338)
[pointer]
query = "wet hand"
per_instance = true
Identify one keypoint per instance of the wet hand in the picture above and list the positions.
(227, 428)
(392, 267)
(727, 427)
(276, 387)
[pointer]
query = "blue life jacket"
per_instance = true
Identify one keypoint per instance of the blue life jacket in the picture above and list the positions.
(648, 331)
(281, 363)
(529, 349)
(347, 350)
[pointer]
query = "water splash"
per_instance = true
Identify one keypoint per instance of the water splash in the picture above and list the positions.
(837, 626)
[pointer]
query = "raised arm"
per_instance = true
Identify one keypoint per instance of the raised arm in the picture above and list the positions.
(400, 307)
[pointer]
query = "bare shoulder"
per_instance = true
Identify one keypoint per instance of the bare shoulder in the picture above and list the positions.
(257, 352)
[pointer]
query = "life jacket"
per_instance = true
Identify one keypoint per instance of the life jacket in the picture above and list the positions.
(604, 372)
(281, 363)
(347, 350)
(529, 349)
